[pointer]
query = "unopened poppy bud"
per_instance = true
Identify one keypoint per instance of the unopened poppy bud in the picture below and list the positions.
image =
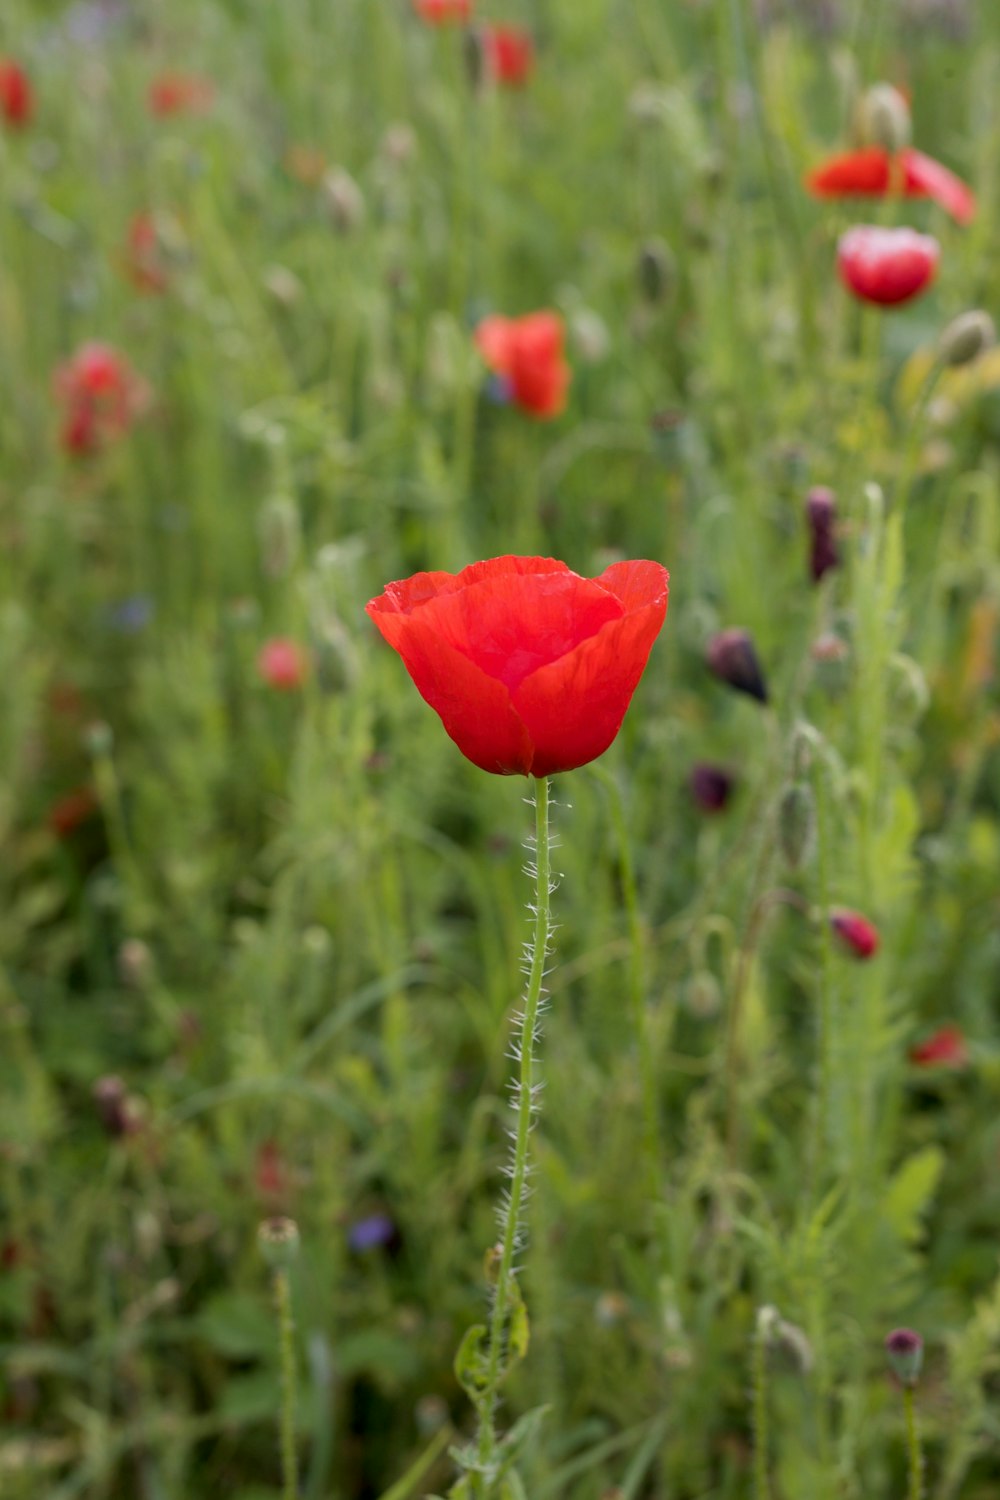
(279, 533)
(905, 1352)
(785, 1342)
(135, 963)
(885, 118)
(711, 787)
(344, 199)
(855, 932)
(797, 823)
(278, 1239)
(832, 662)
(733, 658)
(589, 335)
(117, 1111)
(656, 271)
(967, 337)
(821, 518)
(702, 995)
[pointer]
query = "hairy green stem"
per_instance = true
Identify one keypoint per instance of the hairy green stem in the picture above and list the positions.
(286, 1331)
(525, 1105)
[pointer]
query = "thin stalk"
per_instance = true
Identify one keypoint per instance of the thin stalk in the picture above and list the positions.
(761, 1435)
(286, 1331)
(915, 1490)
(525, 1103)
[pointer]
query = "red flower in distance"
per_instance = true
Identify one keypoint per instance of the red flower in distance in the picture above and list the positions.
(509, 53)
(283, 664)
(144, 255)
(887, 266)
(69, 812)
(528, 353)
(101, 395)
(945, 1048)
(529, 666)
(443, 12)
(868, 173)
(180, 94)
(17, 97)
(855, 932)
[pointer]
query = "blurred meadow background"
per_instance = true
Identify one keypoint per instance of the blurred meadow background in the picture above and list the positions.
(261, 924)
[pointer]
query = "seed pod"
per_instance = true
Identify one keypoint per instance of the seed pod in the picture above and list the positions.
(905, 1352)
(279, 1242)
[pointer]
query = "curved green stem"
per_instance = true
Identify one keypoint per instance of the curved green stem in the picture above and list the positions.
(525, 1104)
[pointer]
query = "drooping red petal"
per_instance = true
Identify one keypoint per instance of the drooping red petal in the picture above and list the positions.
(930, 178)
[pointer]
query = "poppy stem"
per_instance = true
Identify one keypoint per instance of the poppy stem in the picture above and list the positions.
(286, 1328)
(524, 1101)
(915, 1461)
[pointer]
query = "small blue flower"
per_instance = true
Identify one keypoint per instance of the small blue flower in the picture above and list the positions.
(371, 1233)
(132, 615)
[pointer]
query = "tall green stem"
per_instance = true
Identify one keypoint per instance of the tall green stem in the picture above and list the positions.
(915, 1490)
(761, 1438)
(286, 1329)
(525, 1104)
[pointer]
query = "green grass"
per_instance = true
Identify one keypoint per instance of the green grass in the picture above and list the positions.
(293, 923)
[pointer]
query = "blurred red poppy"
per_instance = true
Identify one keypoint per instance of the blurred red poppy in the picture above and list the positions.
(17, 97)
(529, 666)
(144, 255)
(180, 94)
(528, 353)
(101, 395)
(283, 664)
(945, 1048)
(509, 53)
(67, 813)
(887, 266)
(868, 173)
(855, 932)
(443, 12)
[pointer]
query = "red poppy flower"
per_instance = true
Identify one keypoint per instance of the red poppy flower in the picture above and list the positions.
(528, 353)
(143, 255)
(283, 664)
(868, 173)
(17, 97)
(509, 53)
(855, 932)
(180, 94)
(529, 666)
(69, 812)
(945, 1048)
(887, 266)
(443, 12)
(101, 394)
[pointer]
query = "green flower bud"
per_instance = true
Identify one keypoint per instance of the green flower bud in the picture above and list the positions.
(967, 337)
(797, 823)
(279, 1242)
(656, 271)
(885, 118)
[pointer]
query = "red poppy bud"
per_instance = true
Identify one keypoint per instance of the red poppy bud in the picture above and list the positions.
(945, 1048)
(528, 353)
(821, 515)
(887, 266)
(711, 787)
(508, 53)
(283, 664)
(873, 173)
(855, 932)
(733, 658)
(443, 12)
(529, 666)
(17, 97)
(144, 256)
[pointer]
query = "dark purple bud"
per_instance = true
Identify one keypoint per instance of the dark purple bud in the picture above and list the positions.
(114, 1106)
(905, 1353)
(710, 787)
(733, 658)
(821, 517)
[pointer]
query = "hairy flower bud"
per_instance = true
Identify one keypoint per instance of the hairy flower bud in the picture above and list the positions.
(732, 657)
(905, 1353)
(967, 337)
(885, 118)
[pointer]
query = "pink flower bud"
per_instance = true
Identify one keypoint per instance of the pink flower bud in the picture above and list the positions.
(283, 664)
(855, 932)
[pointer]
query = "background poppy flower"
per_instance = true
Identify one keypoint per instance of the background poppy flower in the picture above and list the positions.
(868, 173)
(528, 353)
(17, 97)
(443, 12)
(179, 93)
(887, 266)
(529, 666)
(101, 394)
(944, 1048)
(509, 53)
(283, 664)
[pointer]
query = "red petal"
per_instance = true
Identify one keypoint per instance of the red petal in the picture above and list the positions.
(927, 177)
(494, 341)
(854, 173)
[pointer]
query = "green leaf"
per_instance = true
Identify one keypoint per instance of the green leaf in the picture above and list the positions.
(472, 1361)
(911, 1191)
(237, 1325)
(519, 1330)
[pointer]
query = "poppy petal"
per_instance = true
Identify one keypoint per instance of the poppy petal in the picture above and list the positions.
(928, 177)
